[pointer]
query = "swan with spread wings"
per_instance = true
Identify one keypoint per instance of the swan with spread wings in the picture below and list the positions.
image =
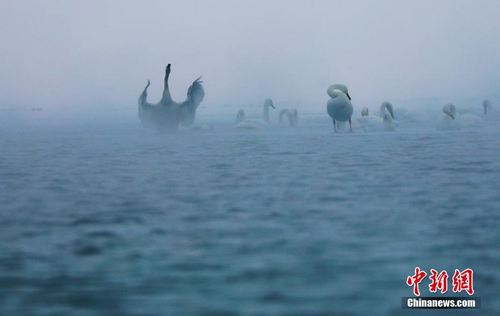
(167, 114)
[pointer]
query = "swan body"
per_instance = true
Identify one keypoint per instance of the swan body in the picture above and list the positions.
(292, 116)
(339, 107)
(251, 124)
(168, 114)
(387, 115)
(454, 120)
(384, 122)
(371, 123)
(245, 123)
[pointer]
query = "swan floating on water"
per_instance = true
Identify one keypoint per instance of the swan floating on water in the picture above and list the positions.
(268, 103)
(292, 116)
(448, 119)
(168, 114)
(245, 123)
(240, 116)
(489, 113)
(387, 114)
(487, 107)
(384, 122)
(459, 120)
(339, 107)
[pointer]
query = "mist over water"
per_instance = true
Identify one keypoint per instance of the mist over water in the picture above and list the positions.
(101, 216)
(75, 56)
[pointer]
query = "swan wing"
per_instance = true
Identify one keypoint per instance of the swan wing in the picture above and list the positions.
(195, 95)
(145, 108)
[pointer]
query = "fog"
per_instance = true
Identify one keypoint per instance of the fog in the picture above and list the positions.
(97, 55)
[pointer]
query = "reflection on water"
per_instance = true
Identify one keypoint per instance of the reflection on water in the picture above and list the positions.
(236, 222)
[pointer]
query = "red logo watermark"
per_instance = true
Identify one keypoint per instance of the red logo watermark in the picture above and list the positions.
(462, 281)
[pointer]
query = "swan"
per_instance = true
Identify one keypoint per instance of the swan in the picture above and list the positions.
(385, 121)
(268, 103)
(253, 124)
(489, 112)
(387, 115)
(168, 114)
(450, 110)
(240, 116)
(338, 86)
(448, 119)
(487, 107)
(293, 117)
(467, 119)
(339, 107)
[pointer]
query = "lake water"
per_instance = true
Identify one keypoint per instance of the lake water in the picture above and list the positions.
(119, 220)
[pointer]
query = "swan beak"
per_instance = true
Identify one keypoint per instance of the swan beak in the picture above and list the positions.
(348, 96)
(272, 105)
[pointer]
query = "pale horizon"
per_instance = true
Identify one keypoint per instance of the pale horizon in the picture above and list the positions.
(81, 56)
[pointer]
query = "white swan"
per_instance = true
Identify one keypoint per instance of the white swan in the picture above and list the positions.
(292, 116)
(471, 120)
(268, 103)
(384, 122)
(387, 115)
(452, 120)
(339, 107)
(167, 114)
(448, 120)
(254, 124)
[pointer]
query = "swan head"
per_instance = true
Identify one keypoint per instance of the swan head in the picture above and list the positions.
(295, 116)
(338, 86)
(364, 111)
(386, 106)
(450, 110)
(269, 103)
(336, 93)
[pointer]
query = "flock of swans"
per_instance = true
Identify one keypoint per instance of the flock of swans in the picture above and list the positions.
(168, 114)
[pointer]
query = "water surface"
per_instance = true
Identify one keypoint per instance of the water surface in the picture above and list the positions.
(124, 221)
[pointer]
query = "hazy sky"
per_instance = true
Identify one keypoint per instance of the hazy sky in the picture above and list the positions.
(94, 53)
